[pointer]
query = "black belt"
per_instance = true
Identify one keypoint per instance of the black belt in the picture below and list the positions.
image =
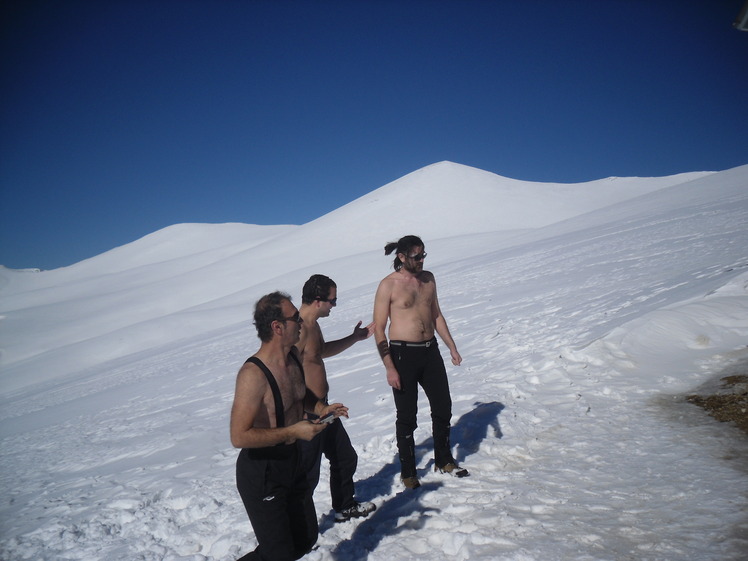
(428, 343)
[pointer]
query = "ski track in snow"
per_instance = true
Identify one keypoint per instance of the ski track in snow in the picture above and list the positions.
(561, 429)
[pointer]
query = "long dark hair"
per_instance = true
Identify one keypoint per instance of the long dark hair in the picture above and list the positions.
(403, 245)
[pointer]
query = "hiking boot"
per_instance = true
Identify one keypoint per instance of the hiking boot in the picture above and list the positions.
(452, 469)
(411, 482)
(357, 510)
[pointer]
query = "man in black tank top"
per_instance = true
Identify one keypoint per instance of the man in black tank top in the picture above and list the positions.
(267, 422)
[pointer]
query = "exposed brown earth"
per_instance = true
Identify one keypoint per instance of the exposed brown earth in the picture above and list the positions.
(729, 403)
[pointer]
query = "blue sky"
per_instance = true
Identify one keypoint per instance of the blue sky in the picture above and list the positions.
(120, 118)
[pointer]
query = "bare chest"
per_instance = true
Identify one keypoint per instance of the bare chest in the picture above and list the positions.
(285, 392)
(412, 295)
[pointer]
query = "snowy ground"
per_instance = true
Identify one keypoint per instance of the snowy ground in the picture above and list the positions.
(581, 313)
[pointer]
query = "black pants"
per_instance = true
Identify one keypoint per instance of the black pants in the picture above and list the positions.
(335, 444)
(275, 493)
(424, 366)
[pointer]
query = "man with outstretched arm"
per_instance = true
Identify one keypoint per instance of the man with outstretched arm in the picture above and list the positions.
(318, 297)
(267, 423)
(407, 300)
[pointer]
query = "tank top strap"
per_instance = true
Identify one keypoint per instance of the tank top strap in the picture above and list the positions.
(280, 418)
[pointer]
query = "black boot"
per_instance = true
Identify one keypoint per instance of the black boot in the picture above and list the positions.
(407, 451)
(444, 462)
(442, 447)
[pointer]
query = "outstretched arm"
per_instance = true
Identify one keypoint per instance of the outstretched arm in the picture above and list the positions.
(331, 348)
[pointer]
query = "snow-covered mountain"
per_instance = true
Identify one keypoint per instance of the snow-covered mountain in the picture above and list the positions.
(576, 308)
(163, 279)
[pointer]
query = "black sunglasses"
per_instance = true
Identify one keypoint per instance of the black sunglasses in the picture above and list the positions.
(296, 317)
(418, 256)
(332, 301)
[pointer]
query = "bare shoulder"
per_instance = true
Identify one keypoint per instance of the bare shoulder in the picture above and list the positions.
(300, 346)
(387, 285)
(427, 276)
(310, 339)
(248, 409)
(250, 375)
(389, 280)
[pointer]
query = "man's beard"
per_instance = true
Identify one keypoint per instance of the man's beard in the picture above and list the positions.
(415, 269)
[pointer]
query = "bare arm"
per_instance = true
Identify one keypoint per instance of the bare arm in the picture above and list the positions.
(381, 317)
(331, 348)
(315, 375)
(318, 407)
(250, 425)
(440, 324)
(246, 413)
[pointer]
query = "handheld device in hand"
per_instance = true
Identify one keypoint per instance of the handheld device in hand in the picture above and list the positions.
(329, 418)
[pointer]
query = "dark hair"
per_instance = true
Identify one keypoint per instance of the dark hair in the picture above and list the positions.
(267, 310)
(403, 245)
(316, 288)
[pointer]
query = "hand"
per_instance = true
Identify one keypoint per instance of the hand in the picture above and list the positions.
(307, 430)
(361, 333)
(393, 378)
(456, 358)
(337, 409)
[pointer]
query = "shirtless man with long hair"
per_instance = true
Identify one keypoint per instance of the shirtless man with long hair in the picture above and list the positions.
(407, 299)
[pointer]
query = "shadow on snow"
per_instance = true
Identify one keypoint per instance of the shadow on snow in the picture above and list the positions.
(467, 434)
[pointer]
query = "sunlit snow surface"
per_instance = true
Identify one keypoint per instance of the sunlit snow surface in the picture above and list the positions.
(582, 313)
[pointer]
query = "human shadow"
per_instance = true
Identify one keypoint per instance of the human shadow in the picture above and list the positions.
(472, 428)
(387, 521)
(467, 434)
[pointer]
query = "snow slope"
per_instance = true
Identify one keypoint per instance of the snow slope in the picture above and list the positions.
(582, 312)
(163, 279)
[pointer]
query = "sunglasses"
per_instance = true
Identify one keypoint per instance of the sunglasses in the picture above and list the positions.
(332, 301)
(418, 256)
(296, 317)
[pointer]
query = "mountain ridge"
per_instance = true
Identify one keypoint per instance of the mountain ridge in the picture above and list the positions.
(220, 277)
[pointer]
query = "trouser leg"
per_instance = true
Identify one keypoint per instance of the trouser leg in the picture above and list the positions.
(311, 458)
(406, 405)
(280, 508)
(436, 387)
(407, 452)
(303, 517)
(343, 462)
